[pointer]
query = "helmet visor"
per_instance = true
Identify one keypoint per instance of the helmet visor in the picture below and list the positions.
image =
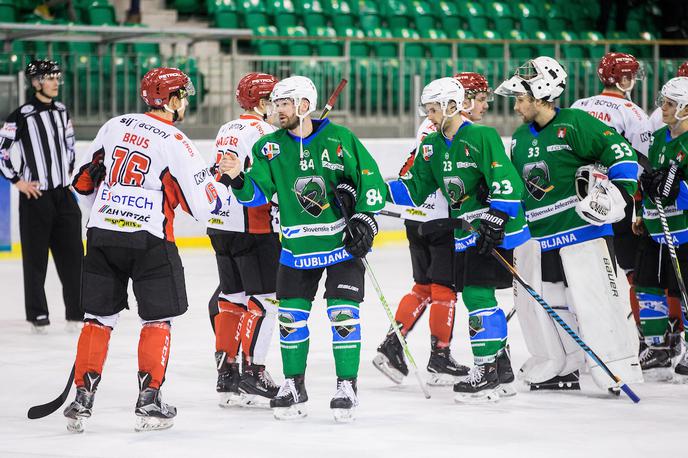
(187, 90)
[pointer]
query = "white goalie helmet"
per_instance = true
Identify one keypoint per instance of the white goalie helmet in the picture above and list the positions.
(543, 77)
(442, 91)
(676, 90)
(296, 88)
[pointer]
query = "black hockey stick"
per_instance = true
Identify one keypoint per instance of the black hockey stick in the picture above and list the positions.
(44, 410)
(559, 320)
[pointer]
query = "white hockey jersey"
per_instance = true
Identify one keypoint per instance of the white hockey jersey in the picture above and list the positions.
(151, 168)
(238, 137)
(624, 116)
(656, 120)
(435, 206)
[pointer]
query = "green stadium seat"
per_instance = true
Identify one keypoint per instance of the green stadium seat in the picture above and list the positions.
(340, 21)
(8, 11)
(297, 47)
(448, 15)
(501, 16)
(437, 50)
(411, 50)
(225, 14)
(101, 13)
(396, 12)
(473, 14)
(326, 47)
(311, 13)
(617, 35)
(335, 7)
(267, 47)
(283, 13)
(254, 13)
(381, 48)
(570, 51)
(11, 61)
(357, 48)
(422, 15)
(543, 49)
(557, 20)
(520, 51)
(529, 17)
(645, 51)
(490, 51)
(595, 51)
(467, 50)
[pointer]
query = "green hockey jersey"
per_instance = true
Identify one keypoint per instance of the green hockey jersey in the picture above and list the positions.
(311, 223)
(664, 152)
(474, 173)
(547, 161)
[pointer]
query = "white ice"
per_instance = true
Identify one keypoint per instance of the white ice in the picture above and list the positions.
(392, 421)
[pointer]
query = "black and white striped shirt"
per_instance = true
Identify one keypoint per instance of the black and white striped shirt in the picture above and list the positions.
(44, 138)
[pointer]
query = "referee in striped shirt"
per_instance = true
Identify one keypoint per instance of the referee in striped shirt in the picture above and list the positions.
(49, 216)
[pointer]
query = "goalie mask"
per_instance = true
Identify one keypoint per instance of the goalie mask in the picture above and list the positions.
(543, 78)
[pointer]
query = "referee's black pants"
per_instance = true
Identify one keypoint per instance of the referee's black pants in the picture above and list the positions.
(51, 222)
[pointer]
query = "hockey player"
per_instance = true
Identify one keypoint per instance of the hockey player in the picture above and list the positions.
(654, 272)
(618, 73)
(139, 169)
(468, 164)
(656, 116)
(247, 253)
(301, 163)
(432, 268)
(570, 205)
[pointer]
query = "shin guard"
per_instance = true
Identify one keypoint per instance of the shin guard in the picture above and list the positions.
(228, 324)
(294, 334)
(654, 314)
(91, 350)
(412, 306)
(346, 336)
(154, 350)
(486, 322)
(442, 314)
(257, 327)
(676, 311)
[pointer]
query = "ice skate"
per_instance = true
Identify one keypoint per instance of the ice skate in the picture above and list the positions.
(480, 385)
(345, 400)
(673, 338)
(40, 325)
(505, 373)
(290, 402)
(568, 382)
(228, 377)
(681, 369)
(151, 413)
(442, 368)
(81, 407)
(256, 387)
(390, 359)
(656, 364)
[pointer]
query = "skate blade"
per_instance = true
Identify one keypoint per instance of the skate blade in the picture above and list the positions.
(382, 364)
(152, 424)
(289, 413)
(343, 415)
(435, 379)
(659, 374)
(253, 401)
(507, 390)
(228, 400)
(75, 425)
(477, 398)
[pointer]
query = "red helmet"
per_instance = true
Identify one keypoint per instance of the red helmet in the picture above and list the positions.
(474, 83)
(159, 84)
(615, 65)
(253, 87)
(683, 69)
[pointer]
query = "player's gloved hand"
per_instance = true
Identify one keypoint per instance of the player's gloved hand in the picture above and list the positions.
(664, 184)
(347, 194)
(604, 204)
(97, 172)
(358, 238)
(491, 230)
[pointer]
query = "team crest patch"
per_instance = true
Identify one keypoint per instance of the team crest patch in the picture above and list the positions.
(607, 133)
(536, 176)
(310, 192)
(427, 152)
(561, 132)
(286, 321)
(340, 152)
(680, 156)
(456, 190)
(270, 150)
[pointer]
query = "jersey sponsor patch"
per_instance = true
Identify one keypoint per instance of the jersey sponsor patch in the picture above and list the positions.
(270, 150)
(427, 152)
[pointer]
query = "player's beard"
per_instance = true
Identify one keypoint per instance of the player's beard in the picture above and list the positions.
(291, 123)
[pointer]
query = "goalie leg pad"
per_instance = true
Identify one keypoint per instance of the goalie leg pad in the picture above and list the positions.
(412, 306)
(346, 336)
(292, 318)
(442, 313)
(257, 327)
(654, 314)
(601, 310)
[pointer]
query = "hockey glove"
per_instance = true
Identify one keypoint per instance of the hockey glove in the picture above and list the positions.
(491, 230)
(604, 204)
(664, 184)
(358, 238)
(347, 195)
(97, 172)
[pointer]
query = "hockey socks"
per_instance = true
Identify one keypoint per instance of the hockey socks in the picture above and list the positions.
(346, 336)
(294, 335)
(442, 313)
(486, 322)
(154, 351)
(228, 324)
(412, 306)
(91, 350)
(654, 314)
(257, 326)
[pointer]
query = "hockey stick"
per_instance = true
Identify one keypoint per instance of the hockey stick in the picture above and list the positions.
(44, 410)
(333, 98)
(384, 302)
(555, 316)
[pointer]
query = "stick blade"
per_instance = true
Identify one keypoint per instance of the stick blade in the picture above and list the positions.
(439, 225)
(44, 410)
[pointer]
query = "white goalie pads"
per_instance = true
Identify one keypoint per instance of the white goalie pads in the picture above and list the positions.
(603, 311)
(552, 351)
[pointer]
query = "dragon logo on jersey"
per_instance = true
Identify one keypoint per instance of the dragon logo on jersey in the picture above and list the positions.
(536, 176)
(342, 315)
(270, 150)
(456, 191)
(475, 325)
(310, 191)
(288, 319)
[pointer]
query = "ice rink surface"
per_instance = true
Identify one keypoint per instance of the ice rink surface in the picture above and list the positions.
(392, 420)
